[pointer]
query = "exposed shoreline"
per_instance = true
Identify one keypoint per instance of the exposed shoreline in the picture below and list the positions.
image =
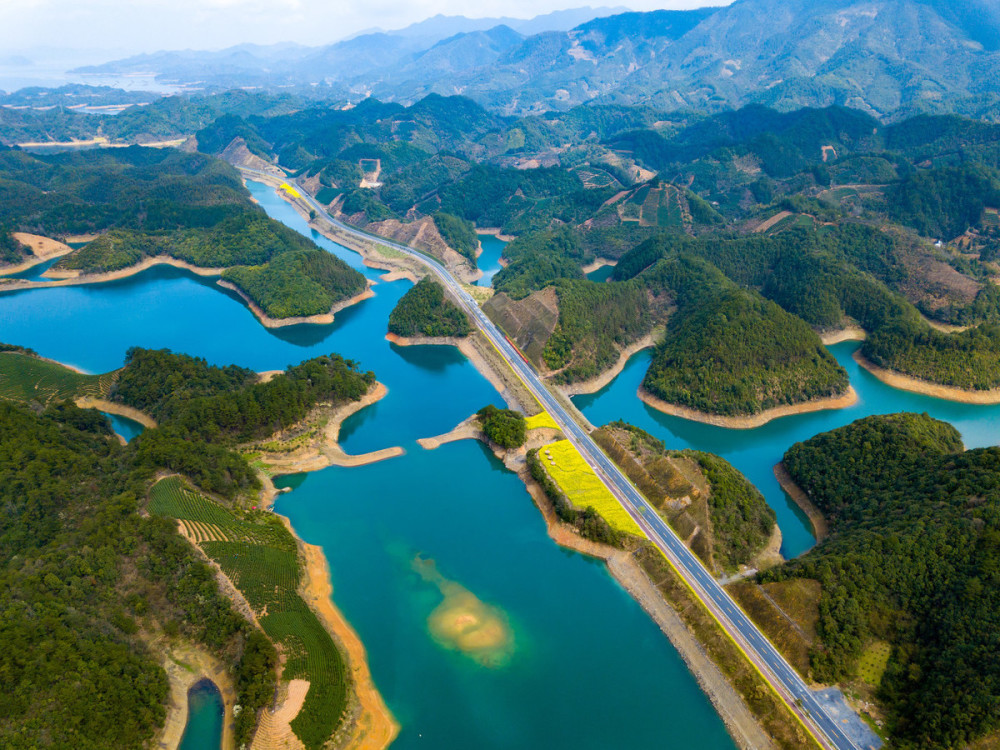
(325, 451)
(596, 383)
(755, 420)
(598, 264)
(86, 402)
(927, 388)
(850, 333)
(320, 319)
(371, 255)
(821, 529)
(372, 726)
(495, 231)
(75, 278)
(43, 249)
(185, 666)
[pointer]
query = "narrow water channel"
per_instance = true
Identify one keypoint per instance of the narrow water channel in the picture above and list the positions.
(203, 730)
(489, 260)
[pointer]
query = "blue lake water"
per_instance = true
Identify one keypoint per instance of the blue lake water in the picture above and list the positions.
(203, 730)
(588, 664)
(489, 260)
(587, 661)
(755, 452)
(124, 426)
(601, 274)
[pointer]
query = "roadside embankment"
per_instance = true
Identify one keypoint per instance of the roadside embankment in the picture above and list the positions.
(820, 528)
(624, 568)
(751, 421)
(925, 387)
(485, 358)
(319, 319)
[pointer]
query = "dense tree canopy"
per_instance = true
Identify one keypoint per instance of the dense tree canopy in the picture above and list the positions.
(913, 558)
(84, 579)
(425, 311)
(504, 427)
(737, 353)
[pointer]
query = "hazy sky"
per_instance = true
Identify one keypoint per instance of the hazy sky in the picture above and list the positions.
(148, 25)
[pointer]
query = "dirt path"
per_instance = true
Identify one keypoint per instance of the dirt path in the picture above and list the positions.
(765, 225)
(926, 388)
(756, 420)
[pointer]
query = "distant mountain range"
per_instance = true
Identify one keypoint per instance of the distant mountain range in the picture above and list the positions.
(887, 57)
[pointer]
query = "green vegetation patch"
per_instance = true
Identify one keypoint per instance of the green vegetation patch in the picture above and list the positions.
(504, 427)
(459, 234)
(265, 567)
(736, 353)
(425, 311)
(596, 321)
(873, 662)
(726, 527)
(298, 284)
(24, 377)
(912, 560)
(83, 575)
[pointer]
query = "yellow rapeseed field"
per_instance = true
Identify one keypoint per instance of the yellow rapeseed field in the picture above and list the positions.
(540, 420)
(290, 190)
(582, 486)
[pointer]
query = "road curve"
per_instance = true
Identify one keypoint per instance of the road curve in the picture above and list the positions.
(758, 649)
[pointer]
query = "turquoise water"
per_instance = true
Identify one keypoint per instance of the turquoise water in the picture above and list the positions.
(204, 724)
(601, 274)
(489, 260)
(588, 664)
(755, 452)
(124, 426)
(588, 668)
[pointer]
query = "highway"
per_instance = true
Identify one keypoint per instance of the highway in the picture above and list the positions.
(761, 652)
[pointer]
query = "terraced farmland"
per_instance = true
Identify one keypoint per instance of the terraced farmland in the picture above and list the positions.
(260, 556)
(27, 378)
(654, 207)
(581, 486)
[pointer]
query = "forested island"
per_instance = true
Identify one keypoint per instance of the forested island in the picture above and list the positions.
(912, 560)
(425, 311)
(144, 204)
(91, 541)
